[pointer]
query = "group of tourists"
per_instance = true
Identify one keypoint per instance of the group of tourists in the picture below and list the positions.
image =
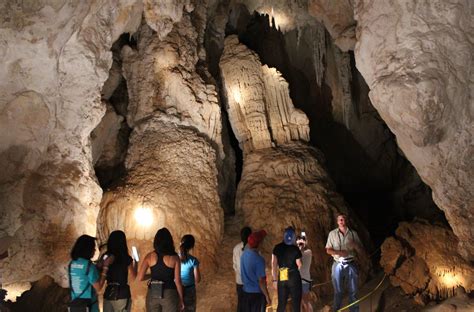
(291, 262)
(173, 276)
(171, 281)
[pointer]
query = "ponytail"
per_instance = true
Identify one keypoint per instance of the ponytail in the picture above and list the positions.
(244, 235)
(187, 243)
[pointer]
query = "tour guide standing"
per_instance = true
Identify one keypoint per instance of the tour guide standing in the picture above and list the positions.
(255, 295)
(286, 261)
(343, 244)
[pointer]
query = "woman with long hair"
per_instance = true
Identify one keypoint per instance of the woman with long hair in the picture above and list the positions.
(117, 297)
(165, 290)
(84, 278)
(190, 274)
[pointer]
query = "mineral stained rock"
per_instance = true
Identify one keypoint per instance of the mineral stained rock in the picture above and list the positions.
(420, 76)
(431, 268)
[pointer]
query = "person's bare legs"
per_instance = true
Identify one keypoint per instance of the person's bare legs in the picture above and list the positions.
(306, 303)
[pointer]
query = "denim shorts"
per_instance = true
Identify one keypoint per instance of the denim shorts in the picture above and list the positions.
(306, 287)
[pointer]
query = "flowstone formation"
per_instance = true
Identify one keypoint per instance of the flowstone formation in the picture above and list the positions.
(174, 151)
(417, 60)
(426, 268)
(283, 181)
(55, 58)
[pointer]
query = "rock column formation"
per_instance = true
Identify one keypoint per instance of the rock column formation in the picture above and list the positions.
(175, 146)
(283, 180)
(55, 57)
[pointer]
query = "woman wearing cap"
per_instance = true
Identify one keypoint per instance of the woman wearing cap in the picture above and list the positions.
(190, 274)
(286, 261)
(304, 272)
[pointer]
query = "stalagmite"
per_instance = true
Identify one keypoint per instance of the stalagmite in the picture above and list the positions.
(283, 179)
(175, 145)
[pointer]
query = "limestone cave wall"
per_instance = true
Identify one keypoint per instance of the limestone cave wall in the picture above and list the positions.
(55, 58)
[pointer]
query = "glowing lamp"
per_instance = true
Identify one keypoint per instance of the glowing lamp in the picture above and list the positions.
(144, 216)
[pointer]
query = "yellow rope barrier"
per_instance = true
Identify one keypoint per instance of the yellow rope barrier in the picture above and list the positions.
(365, 297)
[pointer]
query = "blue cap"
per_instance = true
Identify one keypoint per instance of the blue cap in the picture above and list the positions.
(289, 238)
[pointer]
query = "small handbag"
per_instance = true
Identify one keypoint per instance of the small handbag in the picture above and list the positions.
(157, 287)
(112, 291)
(284, 272)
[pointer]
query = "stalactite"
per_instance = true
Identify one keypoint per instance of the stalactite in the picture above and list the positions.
(318, 37)
(345, 78)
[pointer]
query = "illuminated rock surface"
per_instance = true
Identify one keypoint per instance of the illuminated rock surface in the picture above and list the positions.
(422, 259)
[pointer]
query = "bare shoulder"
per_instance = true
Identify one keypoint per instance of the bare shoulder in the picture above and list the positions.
(151, 257)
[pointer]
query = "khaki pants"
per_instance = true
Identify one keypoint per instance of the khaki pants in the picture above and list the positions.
(169, 302)
(120, 305)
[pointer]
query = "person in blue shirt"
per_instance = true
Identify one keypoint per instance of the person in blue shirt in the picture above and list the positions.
(190, 274)
(84, 278)
(255, 295)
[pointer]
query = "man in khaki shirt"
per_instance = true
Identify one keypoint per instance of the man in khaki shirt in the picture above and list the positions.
(343, 245)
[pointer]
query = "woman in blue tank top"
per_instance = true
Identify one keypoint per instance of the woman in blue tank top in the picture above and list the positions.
(165, 290)
(190, 274)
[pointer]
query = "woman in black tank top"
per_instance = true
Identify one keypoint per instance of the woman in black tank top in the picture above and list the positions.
(117, 296)
(165, 291)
